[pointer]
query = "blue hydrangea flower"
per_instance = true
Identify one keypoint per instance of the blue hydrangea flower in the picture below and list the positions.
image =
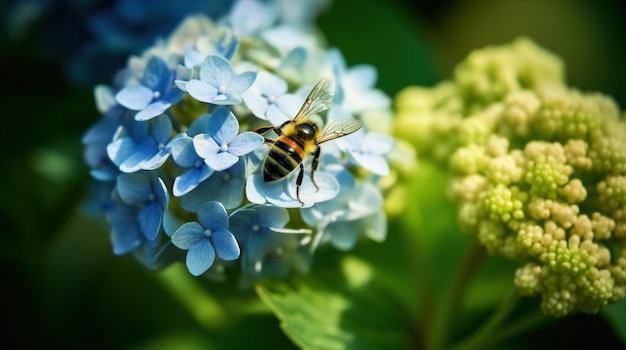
(368, 150)
(147, 191)
(224, 186)
(217, 158)
(353, 213)
(355, 90)
(270, 249)
(185, 155)
(268, 99)
(218, 82)
(220, 146)
(142, 146)
(155, 94)
(203, 240)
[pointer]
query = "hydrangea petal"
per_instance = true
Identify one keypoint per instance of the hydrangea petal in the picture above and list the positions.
(213, 216)
(161, 129)
(200, 257)
(245, 143)
(257, 104)
(241, 82)
(205, 146)
(221, 161)
(183, 151)
(152, 110)
(135, 97)
(216, 71)
(223, 126)
(187, 235)
(374, 163)
(201, 91)
(156, 74)
(225, 245)
(150, 218)
(187, 181)
(134, 188)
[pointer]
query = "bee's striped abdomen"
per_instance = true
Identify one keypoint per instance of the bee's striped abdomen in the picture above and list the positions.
(284, 156)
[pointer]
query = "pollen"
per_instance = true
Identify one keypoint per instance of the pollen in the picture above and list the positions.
(255, 228)
(199, 163)
(221, 89)
(226, 177)
(207, 233)
(224, 148)
(271, 99)
(156, 94)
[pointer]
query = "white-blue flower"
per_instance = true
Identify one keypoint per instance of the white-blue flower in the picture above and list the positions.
(218, 82)
(368, 150)
(268, 99)
(203, 240)
(220, 146)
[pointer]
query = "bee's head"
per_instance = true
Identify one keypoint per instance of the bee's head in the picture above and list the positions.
(306, 130)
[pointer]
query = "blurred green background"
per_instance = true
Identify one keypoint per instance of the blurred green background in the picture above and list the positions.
(63, 285)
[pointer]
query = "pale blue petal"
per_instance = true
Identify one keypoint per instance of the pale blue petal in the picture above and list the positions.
(257, 104)
(255, 191)
(241, 82)
(156, 160)
(187, 235)
(150, 218)
(378, 143)
(199, 126)
(343, 235)
(272, 217)
(183, 152)
(213, 216)
(245, 143)
(205, 146)
(193, 58)
(171, 223)
(216, 71)
(135, 97)
(134, 188)
(225, 245)
(271, 84)
(376, 227)
(189, 180)
(241, 223)
(223, 126)
(200, 257)
(161, 129)
(374, 163)
(221, 161)
(277, 116)
(152, 110)
(156, 74)
(227, 99)
(201, 91)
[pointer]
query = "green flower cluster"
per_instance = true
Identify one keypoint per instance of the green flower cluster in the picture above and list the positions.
(538, 171)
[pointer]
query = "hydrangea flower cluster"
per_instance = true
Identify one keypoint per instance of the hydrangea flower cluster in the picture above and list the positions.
(176, 159)
(539, 171)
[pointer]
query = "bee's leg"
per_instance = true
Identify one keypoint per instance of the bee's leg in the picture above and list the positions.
(263, 129)
(316, 158)
(299, 182)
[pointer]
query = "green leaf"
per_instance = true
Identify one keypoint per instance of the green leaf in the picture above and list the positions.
(344, 309)
(616, 315)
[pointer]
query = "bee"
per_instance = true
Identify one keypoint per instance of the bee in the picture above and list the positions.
(301, 136)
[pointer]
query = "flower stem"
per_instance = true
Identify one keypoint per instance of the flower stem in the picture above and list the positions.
(453, 297)
(494, 331)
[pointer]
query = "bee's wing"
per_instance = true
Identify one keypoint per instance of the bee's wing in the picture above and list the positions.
(338, 127)
(319, 99)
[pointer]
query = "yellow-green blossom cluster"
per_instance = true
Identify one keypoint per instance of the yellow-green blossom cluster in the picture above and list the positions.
(538, 171)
